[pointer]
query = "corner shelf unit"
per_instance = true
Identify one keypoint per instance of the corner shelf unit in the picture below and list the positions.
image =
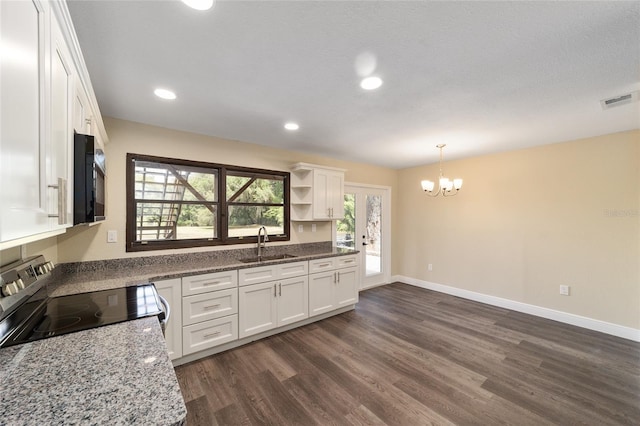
(317, 192)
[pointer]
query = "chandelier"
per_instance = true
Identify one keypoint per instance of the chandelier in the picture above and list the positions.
(446, 186)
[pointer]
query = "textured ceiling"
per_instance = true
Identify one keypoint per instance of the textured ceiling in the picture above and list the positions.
(479, 76)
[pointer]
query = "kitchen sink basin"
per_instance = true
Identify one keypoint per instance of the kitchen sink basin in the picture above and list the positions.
(266, 258)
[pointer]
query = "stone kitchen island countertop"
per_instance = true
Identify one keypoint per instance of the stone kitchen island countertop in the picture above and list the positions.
(117, 375)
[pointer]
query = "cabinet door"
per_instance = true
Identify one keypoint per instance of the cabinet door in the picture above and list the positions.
(335, 195)
(346, 292)
(257, 305)
(23, 25)
(321, 292)
(60, 152)
(321, 188)
(328, 194)
(293, 296)
(171, 290)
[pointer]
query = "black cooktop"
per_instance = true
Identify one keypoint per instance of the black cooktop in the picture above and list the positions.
(66, 314)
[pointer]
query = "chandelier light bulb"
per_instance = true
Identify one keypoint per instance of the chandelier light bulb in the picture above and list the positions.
(427, 185)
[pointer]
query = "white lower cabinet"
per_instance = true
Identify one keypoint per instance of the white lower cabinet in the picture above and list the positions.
(335, 287)
(171, 291)
(272, 304)
(212, 309)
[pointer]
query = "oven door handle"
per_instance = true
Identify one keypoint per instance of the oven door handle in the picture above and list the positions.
(167, 312)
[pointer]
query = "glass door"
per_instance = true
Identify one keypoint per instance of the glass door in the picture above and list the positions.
(365, 228)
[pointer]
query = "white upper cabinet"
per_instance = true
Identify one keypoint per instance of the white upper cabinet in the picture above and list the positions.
(23, 131)
(317, 192)
(41, 76)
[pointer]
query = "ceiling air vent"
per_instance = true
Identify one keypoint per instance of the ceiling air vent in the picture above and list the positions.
(620, 100)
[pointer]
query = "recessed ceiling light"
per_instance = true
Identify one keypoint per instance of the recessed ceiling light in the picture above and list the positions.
(371, 83)
(199, 4)
(164, 94)
(291, 126)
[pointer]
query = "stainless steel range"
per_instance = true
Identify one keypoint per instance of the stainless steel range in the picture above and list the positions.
(28, 313)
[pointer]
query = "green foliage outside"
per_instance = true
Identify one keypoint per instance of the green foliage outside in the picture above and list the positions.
(260, 191)
(348, 224)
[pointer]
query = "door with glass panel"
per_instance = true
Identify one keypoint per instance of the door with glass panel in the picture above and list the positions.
(366, 228)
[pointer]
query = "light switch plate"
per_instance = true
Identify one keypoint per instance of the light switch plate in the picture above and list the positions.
(112, 236)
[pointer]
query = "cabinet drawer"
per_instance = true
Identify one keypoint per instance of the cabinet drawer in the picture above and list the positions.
(319, 265)
(346, 261)
(295, 269)
(258, 275)
(198, 284)
(206, 306)
(205, 335)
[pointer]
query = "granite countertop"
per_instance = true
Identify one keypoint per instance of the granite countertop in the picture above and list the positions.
(105, 275)
(118, 375)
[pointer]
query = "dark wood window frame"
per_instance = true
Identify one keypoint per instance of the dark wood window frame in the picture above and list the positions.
(132, 245)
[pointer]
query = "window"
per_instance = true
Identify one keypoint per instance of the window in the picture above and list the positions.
(179, 203)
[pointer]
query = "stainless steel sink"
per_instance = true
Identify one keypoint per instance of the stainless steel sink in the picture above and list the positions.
(266, 258)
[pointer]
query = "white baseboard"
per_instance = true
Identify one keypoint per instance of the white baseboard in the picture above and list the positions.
(567, 318)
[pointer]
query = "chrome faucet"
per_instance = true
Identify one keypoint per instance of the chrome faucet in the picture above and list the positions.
(264, 241)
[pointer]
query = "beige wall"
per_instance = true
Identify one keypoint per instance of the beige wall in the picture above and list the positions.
(89, 243)
(530, 220)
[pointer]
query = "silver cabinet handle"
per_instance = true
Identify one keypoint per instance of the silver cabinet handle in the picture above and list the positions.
(211, 283)
(274, 291)
(211, 306)
(338, 276)
(280, 289)
(323, 265)
(214, 334)
(62, 201)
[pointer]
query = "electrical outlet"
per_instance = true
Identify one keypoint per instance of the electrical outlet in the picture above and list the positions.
(564, 290)
(300, 228)
(112, 236)
(430, 267)
(313, 227)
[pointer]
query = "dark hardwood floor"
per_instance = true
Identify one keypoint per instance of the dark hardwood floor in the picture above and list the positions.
(408, 356)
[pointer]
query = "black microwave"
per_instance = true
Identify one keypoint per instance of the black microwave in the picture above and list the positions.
(88, 180)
